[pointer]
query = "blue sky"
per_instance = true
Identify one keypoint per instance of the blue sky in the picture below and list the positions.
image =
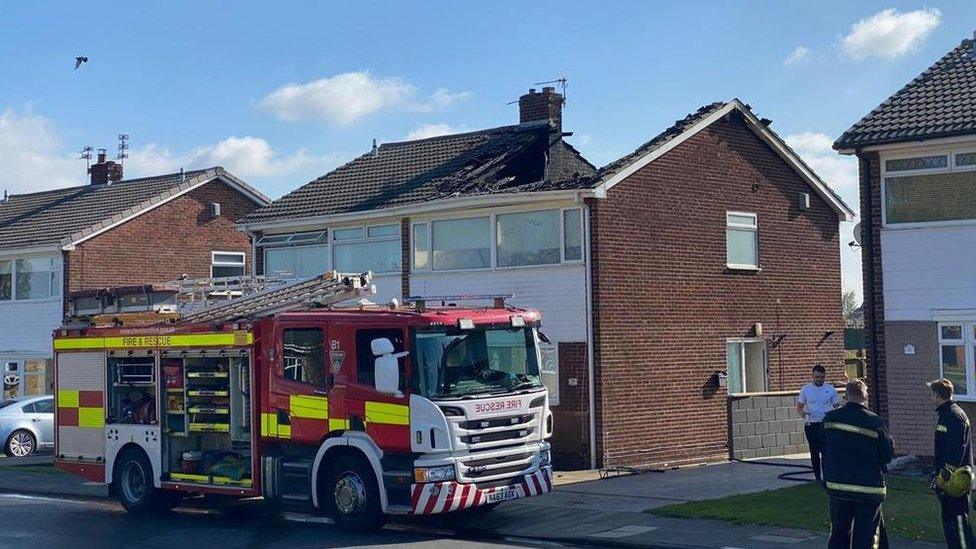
(282, 94)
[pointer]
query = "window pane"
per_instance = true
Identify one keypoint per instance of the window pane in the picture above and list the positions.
(6, 279)
(461, 244)
(741, 248)
(304, 355)
(45, 406)
(571, 235)
(223, 270)
(530, 238)
(733, 362)
(359, 257)
(952, 332)
(274, 239)
(383, 230)
(954, 367)
(917, 163)
(228, 258)
(747, 220)
(55, 283)
(966, 159)
(347, 234)
(306, 237)
(755, 366)
(303, 261)
(33, 278)
(930, 197)
(365, 368)
(421, 245)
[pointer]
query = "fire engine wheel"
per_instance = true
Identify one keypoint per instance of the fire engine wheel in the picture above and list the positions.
(20, 444)
(352, 495)
(134, 483)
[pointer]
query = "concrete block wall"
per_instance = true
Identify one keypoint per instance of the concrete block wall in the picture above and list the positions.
(765, 425)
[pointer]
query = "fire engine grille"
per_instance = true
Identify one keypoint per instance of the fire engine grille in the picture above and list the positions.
(495, 437)
(499, 422)
(497, 446)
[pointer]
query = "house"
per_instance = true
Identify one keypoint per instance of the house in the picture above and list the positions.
(683, 287)
(917, 159)
(110, 232)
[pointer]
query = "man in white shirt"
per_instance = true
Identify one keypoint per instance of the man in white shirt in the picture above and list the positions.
(815, 400)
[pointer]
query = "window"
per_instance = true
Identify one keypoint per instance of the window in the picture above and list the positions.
(746, 364)
(741, 240)
(461, 244)
(291, 239)
(32, 278)
(304, 355)
(360, 249)
(572, 235)
(300, 261)
(45, 406)
(223, 264)
(421, 245)
(957, 346)
(917, 163)
(529, 238)
(930, 197)
(365, 372)
(549, 370)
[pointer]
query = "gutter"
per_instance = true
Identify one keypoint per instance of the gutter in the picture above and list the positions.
(590, 353)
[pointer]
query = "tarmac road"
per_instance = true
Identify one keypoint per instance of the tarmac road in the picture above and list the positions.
(28, 521)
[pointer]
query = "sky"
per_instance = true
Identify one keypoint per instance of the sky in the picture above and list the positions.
(280, 93)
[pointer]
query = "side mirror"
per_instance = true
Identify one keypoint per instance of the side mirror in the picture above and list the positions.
(386, 370)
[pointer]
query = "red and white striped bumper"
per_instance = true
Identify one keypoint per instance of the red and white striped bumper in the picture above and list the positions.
(444, 497)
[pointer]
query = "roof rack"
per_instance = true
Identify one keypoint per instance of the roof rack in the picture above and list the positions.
(498, 300)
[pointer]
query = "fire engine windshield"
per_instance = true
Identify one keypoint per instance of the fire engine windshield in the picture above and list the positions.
(460, 363)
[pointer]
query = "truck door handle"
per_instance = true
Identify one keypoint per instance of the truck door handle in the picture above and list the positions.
(320, 392)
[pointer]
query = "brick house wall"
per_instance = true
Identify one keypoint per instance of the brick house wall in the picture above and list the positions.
(664, 301)
(869, 166)
(163, 243)
(571, 440)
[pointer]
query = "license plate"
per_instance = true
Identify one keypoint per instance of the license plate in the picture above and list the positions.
(502, 495)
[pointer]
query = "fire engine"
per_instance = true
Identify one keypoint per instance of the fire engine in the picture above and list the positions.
(361, 411)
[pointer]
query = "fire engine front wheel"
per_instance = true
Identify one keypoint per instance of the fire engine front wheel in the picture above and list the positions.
(133, 481)
(352, 495)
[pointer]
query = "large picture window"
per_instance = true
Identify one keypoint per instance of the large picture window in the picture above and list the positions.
(957, 349)
(30, 278)
(461, 244)
(299, 261)
(361, 249)
(930, 197)
(527, 238)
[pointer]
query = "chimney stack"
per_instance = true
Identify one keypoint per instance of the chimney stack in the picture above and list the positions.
(105, 172)
(548, 106)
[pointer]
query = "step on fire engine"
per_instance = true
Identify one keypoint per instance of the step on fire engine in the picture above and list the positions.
(270, 388)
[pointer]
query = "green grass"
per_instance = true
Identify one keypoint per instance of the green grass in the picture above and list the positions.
(911, 510)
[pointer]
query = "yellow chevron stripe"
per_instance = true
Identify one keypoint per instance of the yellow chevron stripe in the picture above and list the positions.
(307, 406)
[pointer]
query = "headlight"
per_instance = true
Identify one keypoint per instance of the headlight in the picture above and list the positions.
(544, 458)
(433, 474)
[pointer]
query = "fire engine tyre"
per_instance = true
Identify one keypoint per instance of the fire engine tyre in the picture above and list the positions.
(133, 480)
(351, 495)
(20, 444)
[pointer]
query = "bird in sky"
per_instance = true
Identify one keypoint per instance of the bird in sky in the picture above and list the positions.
(79, 61)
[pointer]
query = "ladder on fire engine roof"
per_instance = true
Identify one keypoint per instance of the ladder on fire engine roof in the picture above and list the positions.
(321, 291)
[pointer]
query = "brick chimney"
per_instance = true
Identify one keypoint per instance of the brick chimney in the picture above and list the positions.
(105, 172)
(547, 105)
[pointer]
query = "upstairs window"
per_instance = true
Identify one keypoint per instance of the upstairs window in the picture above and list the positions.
(461, 244)
(529, 238)
(6, 280)
(30, 278)
(932, 187)
(226, 264)
(741, 240)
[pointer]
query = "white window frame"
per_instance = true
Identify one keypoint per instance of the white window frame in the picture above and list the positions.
(215, 263)
(951, 166)
(325, 246)
(968, 343)
(729, 224)
(741, 341)
(365, 239)
(57, 266)
(492, 216)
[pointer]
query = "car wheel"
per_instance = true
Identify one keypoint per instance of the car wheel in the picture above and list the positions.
(21, 444)
(352, 495)
(133, 480)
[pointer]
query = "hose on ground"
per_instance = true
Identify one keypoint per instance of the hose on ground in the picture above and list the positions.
(793, 476)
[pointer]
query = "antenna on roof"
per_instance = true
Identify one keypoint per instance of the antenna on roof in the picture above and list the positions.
(562, 81)
(376, 150)
(123, 148)
(5, 195)
(86, 155)
(182, 174)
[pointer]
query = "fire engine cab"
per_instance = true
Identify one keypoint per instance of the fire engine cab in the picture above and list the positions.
(359, 412)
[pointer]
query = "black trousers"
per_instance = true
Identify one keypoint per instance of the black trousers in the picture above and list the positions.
(955, 522)
(856, 525)
(814, 432)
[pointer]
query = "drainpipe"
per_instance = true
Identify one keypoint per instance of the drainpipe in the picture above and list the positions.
(254, 252)
(590, 361)
(868, 247)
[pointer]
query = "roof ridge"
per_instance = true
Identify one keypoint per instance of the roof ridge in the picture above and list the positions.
(456, 135)
(190, 173)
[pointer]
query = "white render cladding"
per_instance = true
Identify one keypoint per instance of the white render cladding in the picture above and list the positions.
(26, 325)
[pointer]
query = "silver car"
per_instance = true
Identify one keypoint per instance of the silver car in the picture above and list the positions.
(27, 425)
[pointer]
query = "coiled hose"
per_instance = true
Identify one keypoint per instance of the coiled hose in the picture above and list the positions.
(793, 476)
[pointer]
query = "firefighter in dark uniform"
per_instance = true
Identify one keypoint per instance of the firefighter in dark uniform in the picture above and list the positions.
(953, 450)
(856, 449)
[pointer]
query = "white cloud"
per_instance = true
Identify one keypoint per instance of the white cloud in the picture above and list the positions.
(432, 130)
(345, 98)
(33, 158)
(890, 33)
(797, 55)
(840, 172)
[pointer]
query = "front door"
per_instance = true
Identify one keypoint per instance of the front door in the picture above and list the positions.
(298, 407)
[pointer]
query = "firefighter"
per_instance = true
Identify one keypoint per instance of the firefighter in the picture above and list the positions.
(816, 399)
(952, 471)
(856, 449)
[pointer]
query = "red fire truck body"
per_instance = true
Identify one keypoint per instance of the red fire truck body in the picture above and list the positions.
(361, 412)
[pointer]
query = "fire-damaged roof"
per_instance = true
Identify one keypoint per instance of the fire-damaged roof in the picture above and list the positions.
(940, 102)
(510, 159)
(64, 216)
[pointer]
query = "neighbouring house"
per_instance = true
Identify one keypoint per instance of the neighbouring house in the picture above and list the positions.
(917, 159)
(111, 232)
(686, 288)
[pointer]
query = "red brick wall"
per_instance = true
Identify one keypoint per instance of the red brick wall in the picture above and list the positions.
(571, 441)
(164, 243)
(874, 317)
(664, 301)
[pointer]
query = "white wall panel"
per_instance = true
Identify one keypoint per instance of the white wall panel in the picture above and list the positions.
(26, 326)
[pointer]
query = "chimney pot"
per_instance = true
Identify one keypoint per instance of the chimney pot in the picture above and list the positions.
(545, 106)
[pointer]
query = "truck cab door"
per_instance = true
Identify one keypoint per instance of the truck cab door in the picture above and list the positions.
(297, 409)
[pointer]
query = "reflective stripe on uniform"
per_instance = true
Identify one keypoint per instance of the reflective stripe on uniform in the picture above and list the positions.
(877, 490)
(851, 429)
(941, 429)
(961, 532)
(390, 414)
(308, 406)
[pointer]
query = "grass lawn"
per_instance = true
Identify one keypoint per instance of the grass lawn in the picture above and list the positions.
(911, 510)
